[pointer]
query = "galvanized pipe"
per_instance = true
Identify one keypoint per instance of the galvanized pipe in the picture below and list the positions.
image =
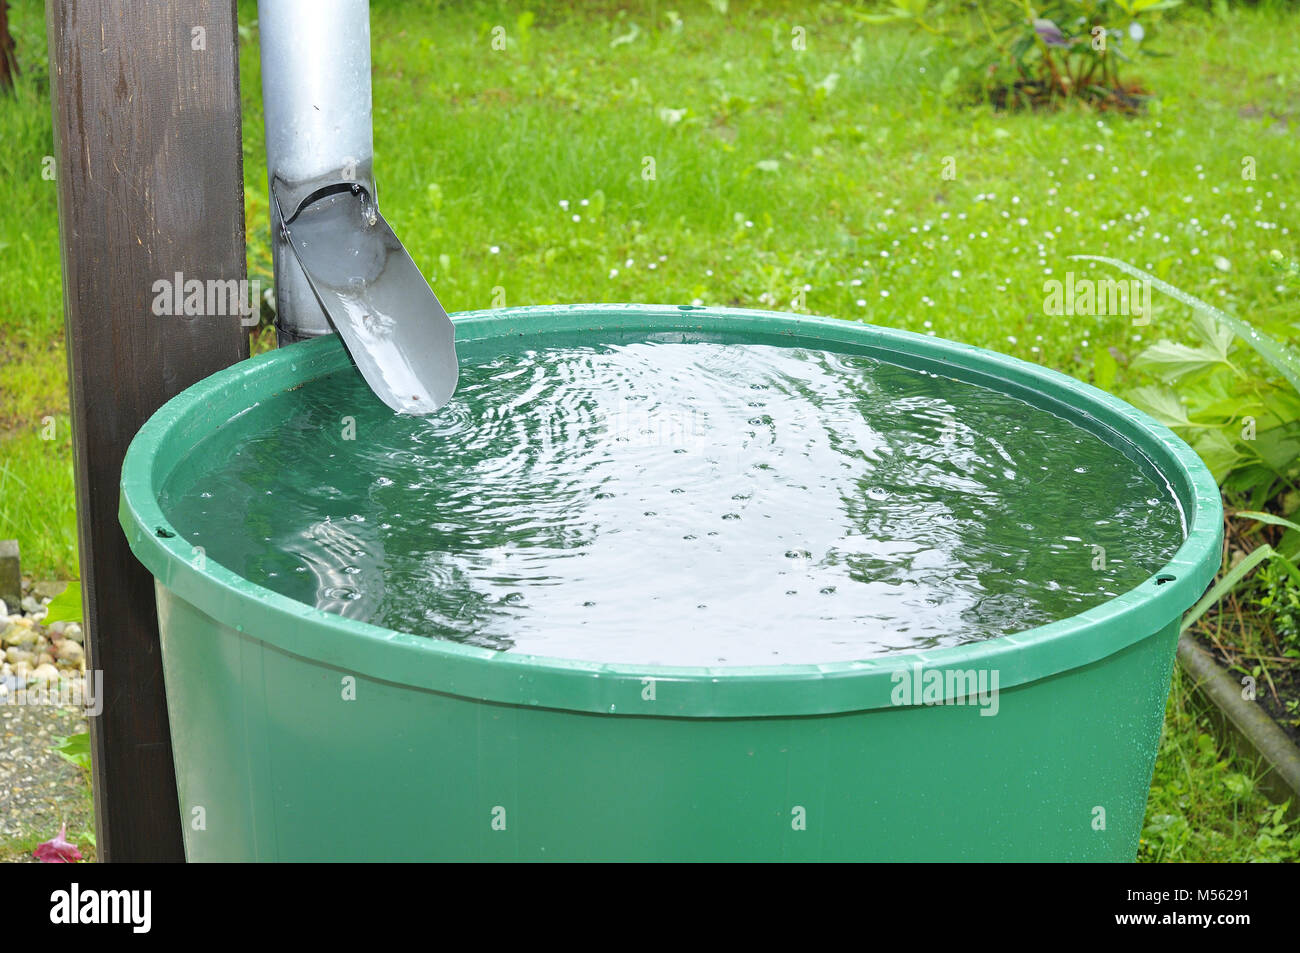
(316, 100)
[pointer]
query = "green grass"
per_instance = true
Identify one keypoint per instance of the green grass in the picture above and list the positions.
(37, 498)
(775, 171)
(1205, 806)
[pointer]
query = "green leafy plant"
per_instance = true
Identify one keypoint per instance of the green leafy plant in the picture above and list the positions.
(1245, 424)
(1234, 576)
(75, 749)
(1279, 599)
(66, 607)
(1018, 55)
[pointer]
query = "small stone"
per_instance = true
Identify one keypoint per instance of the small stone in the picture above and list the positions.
(15, 655)
(70, 652)
(31, 604)
(73, 631)
(58, 628)
(45, 672)
(45, 658)
(21, 670)
(47, 589)
(4, 609)
(22, 636)
(21, 620)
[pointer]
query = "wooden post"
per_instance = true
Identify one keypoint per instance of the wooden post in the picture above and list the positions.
(150, 177)
(8, 55)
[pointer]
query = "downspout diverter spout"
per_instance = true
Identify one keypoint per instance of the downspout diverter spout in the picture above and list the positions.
(338, 264)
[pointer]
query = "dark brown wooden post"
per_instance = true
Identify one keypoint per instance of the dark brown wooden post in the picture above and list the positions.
(8, 54)
(147, 137)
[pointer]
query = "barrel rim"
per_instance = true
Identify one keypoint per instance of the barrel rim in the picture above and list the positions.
(654, 690)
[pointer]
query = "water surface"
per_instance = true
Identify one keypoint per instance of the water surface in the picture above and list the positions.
(679, 503)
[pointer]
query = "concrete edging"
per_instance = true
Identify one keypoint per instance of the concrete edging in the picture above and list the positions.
(1249, 729)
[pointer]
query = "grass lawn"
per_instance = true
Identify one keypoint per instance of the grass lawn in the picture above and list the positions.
(695, 156)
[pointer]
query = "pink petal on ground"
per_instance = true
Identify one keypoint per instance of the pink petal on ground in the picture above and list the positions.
(57, 850)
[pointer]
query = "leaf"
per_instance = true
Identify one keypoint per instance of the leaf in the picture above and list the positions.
(1238, 785)
(1162, 404)
(1291, 567)
(1268, 518)
(74, 749)
(1213, 335)
(1283, 358)
(65, 607)
(1169, 361)
(1214, 447)
(1278, 448)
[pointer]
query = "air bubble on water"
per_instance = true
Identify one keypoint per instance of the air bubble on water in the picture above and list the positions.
(877, 493)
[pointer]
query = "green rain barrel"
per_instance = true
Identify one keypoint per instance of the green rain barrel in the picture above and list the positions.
(300, 734)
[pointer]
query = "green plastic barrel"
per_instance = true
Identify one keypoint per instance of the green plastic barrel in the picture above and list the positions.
(302, 735)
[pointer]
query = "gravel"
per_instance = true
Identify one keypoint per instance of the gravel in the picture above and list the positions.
(39, 790)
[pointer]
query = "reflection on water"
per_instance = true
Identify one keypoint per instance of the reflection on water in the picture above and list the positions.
(679, 503)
